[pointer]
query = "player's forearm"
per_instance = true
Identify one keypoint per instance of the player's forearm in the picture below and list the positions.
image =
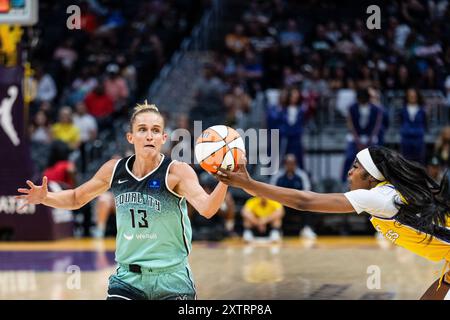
(62, 200)
(289, 197)
(215, 200)
(249, 192)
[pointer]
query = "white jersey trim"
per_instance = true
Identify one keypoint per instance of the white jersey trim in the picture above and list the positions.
(183, 226)
(140, 179)
(114, 172)
(117, 296)
(167, 182)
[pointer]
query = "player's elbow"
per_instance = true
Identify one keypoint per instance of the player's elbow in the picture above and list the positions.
(77, 203)
(207, 213)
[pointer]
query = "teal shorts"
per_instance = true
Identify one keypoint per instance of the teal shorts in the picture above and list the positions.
(174, 283)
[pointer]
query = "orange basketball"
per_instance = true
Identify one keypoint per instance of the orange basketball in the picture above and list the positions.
(219, 146)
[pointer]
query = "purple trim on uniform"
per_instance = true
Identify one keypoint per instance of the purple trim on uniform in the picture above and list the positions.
(55, 260)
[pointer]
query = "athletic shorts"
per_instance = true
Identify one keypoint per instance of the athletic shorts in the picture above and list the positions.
(169, 284)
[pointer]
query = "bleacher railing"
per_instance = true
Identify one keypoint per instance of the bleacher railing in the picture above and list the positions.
(325, 135)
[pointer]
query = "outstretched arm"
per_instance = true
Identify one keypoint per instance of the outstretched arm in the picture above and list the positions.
(69, 199)
(186, 183)
(300, 200)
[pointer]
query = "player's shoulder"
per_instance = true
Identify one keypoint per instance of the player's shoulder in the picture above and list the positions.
(180, 168)
(108, 167)
(385, 189)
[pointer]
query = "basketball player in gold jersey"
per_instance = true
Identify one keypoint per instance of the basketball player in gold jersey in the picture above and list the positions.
(407, 206)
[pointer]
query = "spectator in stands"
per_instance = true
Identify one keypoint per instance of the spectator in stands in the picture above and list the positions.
(65, 130)
(315, 84)
(128, 72)
(237, 42)
(115, 86)
(403, 80)
(291, 176)
(375, 99)
(221, 225)
(364, 123)
(253, 71)
(88, 19)
(413, 127)
(434, 168)
(87, 125)
(291, 36)
(209, 93)
(59, 168)
(66, 54)
(81, 86)
(260, 214)
(40, 130)
(46, 88)
(292, 123)
(340, 80)
(237, 103)
(100, 105)
(442, 147)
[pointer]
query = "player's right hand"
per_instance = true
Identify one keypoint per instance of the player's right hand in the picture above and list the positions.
(34, 195)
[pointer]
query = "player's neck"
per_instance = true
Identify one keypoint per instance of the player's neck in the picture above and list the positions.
(143, 165)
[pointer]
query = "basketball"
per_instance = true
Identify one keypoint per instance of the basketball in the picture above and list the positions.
(219, 146)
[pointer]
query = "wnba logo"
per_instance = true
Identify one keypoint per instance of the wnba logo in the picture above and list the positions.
(6, 118)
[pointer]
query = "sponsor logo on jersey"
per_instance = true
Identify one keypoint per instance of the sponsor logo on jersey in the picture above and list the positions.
(122, 181)
(146, 236)
(140, 236)
(127, 237)
(154, 184)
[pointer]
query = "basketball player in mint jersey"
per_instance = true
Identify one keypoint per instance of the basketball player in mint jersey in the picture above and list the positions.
(153, 229)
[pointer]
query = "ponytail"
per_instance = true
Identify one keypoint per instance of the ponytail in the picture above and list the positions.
(425, 204)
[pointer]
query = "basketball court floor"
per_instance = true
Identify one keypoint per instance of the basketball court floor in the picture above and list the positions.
(327, 268)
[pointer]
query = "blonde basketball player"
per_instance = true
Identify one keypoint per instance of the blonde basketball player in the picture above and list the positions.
(405, 204)
(153, 229)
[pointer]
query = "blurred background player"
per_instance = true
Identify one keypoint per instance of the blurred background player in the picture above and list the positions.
(291, 176)
(262, 217)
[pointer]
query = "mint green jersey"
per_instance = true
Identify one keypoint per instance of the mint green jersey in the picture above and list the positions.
(153, 227)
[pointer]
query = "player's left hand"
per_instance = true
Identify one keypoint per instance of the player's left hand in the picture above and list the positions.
(239, 179)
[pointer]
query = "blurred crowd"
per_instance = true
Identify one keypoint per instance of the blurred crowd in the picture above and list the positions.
(302, 56)
(308, 51)
(86, 81)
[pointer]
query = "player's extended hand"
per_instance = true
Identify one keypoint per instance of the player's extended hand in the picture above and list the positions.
(239, 179)
(34, 195)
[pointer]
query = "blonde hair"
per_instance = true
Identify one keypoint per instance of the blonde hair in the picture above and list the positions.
(142, 108)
